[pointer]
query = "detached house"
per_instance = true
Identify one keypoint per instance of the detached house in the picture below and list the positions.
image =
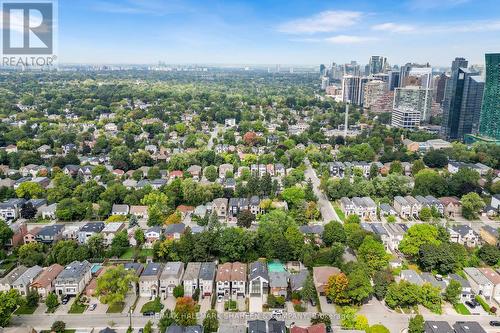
(219, 206)
(190, 278)
(463, 234)
(451, 206)
(122, 210)
(479, 283)
(321, 276)
(88, 230)
(231, 279)
(206, 278)
(50, 233)
(149, 280)
(225, 169)
(73, 279)
(45, 282)
(7, 281)
(170, 277)
(152, 235)
(258, 279)
(23, 282)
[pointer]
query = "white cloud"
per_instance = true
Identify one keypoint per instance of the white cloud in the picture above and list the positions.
(326, 21)
(393, 27)
(346, 39)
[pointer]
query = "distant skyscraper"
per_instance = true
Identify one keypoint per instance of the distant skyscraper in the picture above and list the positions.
(374, 90)
(350, 89)
(324, 82)
(490, 112)
(403, 73)
(440, 87)
(393, 80)
(377, 64)
(462, 101)
(322, 70)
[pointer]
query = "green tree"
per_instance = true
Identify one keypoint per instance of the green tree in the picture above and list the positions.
(30, 190)
(417, 166)
(95, 244)
(333, 233)
(149, 327)
(166, 321)
(353, 218)
(6, 233)
(31, 254)
(490, 254)
(32, 298)
(402, 294)
(294, 196)
(453, 291)
(51, 301)
(430, 297)
(139, 237)
(211, 321)
(416, 324)
(308, 291)
(377, 328)
(359, 287)
(58, 326)
(178, 291)
(436, 159)
(396, 167)
(113, 285)
(245, 218)
(381, 281)
(429, 182)
(425, 214)
(9, 301)
(372, 252)
(211, 173)
(471, 204)
(416, 236)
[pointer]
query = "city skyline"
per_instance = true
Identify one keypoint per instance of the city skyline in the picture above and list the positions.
(294, 32)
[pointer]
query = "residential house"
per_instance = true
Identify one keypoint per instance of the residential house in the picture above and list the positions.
(430, 278)
(30, 236)
(278, 283)
(257, 326)
(149, 280)
(411, 276)
(463, 234)
(45, 282)
(317, 328)
(387, 210)
(276, 326)
(50, 233)
(321, 275)
(279, 170)
(495, 202)
(73, 279)
(451, 206)
(152, 235)
(437, 327)
(258, 279)
(19, 230)
(219, 206)
(347, 206)
(231, 279)
(402, 207)
(88, 230)
(223, 279)
(11, 277)
(254, 205)
(49, 212)
(137, 269)
(297, 280)
(225, 169)
(467, 294)
(141, 212)
(435, 203)
(365, 207)
(468, 327)
(336, 169)
(489, 234)
(195, 171)
(10, 209)
(122, 210)
(206, 279)
(170, 277)
(395, 235)
(175, 231)
(110, 230)
(190, 278)
(415, 205)
(494, 278)
(479, 283)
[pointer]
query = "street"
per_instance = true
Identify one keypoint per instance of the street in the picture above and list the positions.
(327, 212)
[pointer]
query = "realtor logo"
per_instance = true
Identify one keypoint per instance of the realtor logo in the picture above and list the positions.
(28, 28)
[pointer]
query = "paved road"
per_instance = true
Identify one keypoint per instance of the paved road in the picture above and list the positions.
(327, 212)
(213, 135)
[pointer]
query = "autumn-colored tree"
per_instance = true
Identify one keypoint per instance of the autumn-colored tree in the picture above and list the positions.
(249, 138)
(336, 288)
(185, 311)
(173, 218)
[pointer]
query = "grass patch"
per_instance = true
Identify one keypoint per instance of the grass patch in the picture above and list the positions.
(132, 252)
(116, 307)
(25, 309)
(461, 309)
(339, 211)
(52, 310)
(486, 306)
(154, 305)
(77, 307)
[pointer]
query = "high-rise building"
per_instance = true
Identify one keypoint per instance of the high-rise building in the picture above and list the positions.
(490, 111)
(377, 64)
(350, 89)
(374, 90)
(410, 107)
(322, 70)
(393, 80)
(462, 101)
(440, 87)
(351, 69)
(324, 82)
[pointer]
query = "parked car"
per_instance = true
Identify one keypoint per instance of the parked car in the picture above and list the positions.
(92, 307)
(65, 300)
(220, 298)
(313, 302)
(148, 313)
(494, 323)
(470, 304)
(328, 300)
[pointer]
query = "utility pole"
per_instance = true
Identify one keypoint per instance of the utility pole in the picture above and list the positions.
(346, 121)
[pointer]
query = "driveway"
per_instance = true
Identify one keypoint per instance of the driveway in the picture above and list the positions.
(327, 212)
(242, 305)
(140, 302)
(169, 302)
(325, 307)
(41, 309)
(64, 308)
(100, 308)
(255, 304)
(206, 304)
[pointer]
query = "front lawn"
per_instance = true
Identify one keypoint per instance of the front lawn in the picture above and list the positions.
(77, 307)
(339, 211)
(461, 309)
(25, 309)
(152, 306)
(116, 307)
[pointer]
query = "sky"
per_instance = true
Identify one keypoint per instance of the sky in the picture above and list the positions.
(283, 32)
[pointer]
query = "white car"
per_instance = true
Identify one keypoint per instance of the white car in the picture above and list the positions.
(220, 298)
(92, 307)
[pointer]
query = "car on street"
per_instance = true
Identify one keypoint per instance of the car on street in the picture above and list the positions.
(148, 313)
(495, 323)
(220, 298)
